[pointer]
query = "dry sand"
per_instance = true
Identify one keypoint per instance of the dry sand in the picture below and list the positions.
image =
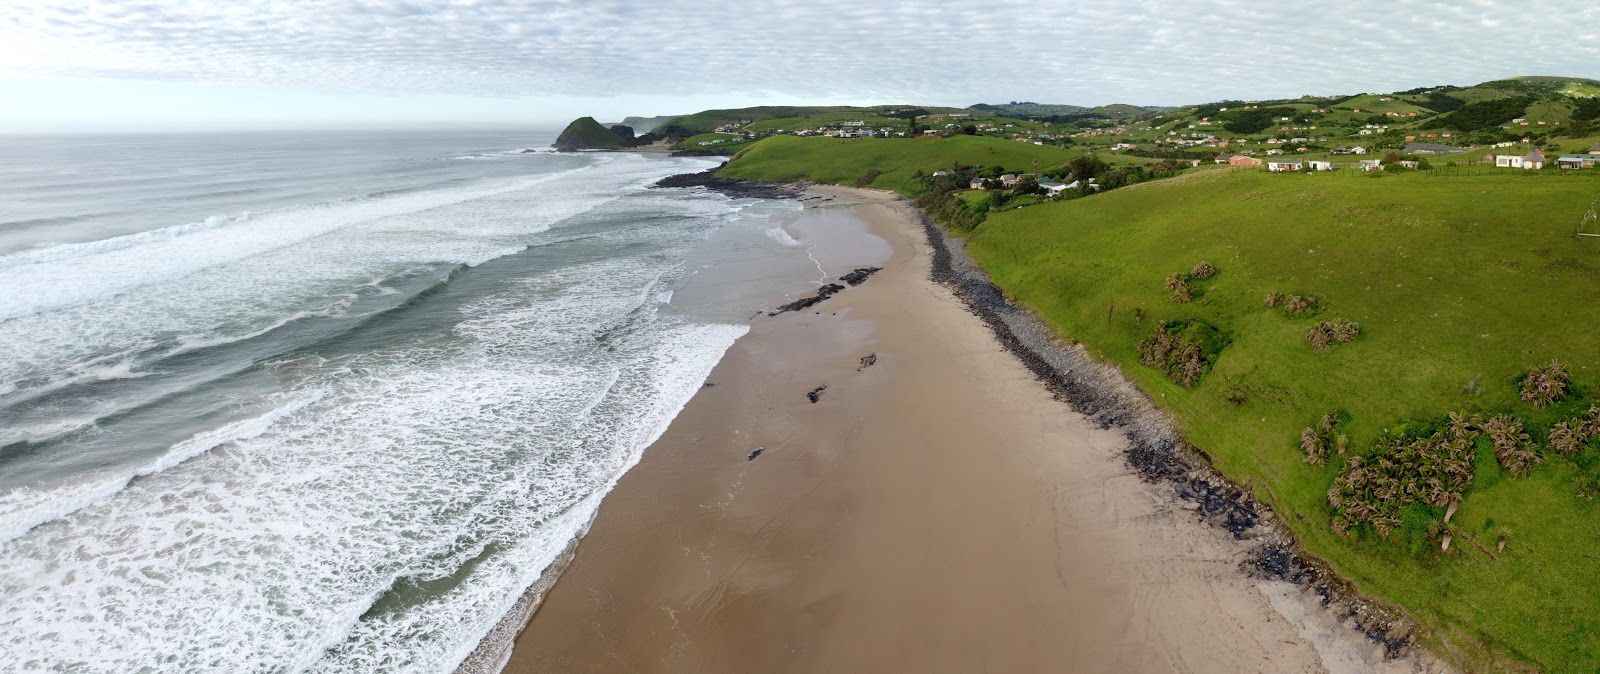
(938, 511)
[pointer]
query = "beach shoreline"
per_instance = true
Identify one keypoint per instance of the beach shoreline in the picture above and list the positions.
(815, 552)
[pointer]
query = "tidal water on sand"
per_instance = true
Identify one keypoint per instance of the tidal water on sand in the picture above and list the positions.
(331, 402)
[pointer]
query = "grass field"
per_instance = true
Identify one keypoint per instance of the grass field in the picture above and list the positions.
(1454, 281)
(843, 161)
(1461, 279)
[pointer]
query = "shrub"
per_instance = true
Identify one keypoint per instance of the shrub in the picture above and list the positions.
(1512, 447)
(1572, 435)
(1314, 446)
(1274, 298)
(1315, 441)
(1176, 280)
(1295, 305)
(1545, 385)
(1178, 283)
(1183, 350)
(1203, 270)
(1328, 333)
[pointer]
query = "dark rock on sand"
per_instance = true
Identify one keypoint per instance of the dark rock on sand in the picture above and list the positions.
(867, 361)
(816, 394)
(755, 454)
(806, 302)
(859, 276)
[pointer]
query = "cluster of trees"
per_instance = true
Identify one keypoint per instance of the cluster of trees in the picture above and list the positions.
(1258, 119)
(1481, 114)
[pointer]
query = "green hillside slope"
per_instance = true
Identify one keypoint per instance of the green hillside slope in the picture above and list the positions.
(1459, 285)
(896, 160)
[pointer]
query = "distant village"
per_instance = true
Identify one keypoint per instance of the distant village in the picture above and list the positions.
(1367, 134)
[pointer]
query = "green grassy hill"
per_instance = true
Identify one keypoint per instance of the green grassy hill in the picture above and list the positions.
(1459, 285)
(846, 161)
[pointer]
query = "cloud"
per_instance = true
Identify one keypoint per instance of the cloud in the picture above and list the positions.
(950, 53)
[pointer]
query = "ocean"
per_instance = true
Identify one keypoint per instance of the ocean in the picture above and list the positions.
(331, 402)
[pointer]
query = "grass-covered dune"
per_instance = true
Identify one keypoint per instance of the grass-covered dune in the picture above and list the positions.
(846, 161)
(1459, 286)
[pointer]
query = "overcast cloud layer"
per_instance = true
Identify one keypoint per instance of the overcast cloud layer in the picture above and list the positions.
(949, 53)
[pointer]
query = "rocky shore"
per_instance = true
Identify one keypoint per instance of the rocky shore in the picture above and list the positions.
(708, 179)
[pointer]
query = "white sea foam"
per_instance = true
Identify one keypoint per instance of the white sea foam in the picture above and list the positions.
(26, 508)
(393, 504)
(247, 295)
(465, 470)
(782, 236)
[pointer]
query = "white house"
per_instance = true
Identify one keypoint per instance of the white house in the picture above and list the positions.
(1053, 188)
(1285, 165)
(1371, 165)
(1533, 160)
(1358, 150)
(1318, 165)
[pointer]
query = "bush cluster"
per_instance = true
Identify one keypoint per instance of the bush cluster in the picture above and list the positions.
(1292, 305)
(1315, 441)
(1184, 350)
(1545, 385)
(1179, 283)
(1512, 447)
(1328, 333)
(1571, 436)
(1434, 470)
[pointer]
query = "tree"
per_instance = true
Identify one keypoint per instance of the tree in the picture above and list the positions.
(1392, 157)
(969, 130)
(1086, 166)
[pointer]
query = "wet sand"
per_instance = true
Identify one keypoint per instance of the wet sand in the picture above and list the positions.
(937, 511)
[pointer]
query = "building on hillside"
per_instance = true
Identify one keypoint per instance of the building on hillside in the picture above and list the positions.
(1285, 165)
(1595, 149)
(1534, 160)
(1241, 160)
(1008, 180)
(1370, 164)
(1430, 148)
(1276, 150)
(977, 184)
(1053, 188)
(940, 173)
(1578, 161)
(1407, 163)
(1222, 158)
(1319, 165)
(1358, 150)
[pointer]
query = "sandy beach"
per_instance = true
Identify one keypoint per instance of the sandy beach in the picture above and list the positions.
(935, 511)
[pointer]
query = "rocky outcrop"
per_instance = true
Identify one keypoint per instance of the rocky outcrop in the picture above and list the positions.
(733, 188)
(586, 134)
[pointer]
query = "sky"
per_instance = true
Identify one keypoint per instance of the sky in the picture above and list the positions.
(135, 65)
